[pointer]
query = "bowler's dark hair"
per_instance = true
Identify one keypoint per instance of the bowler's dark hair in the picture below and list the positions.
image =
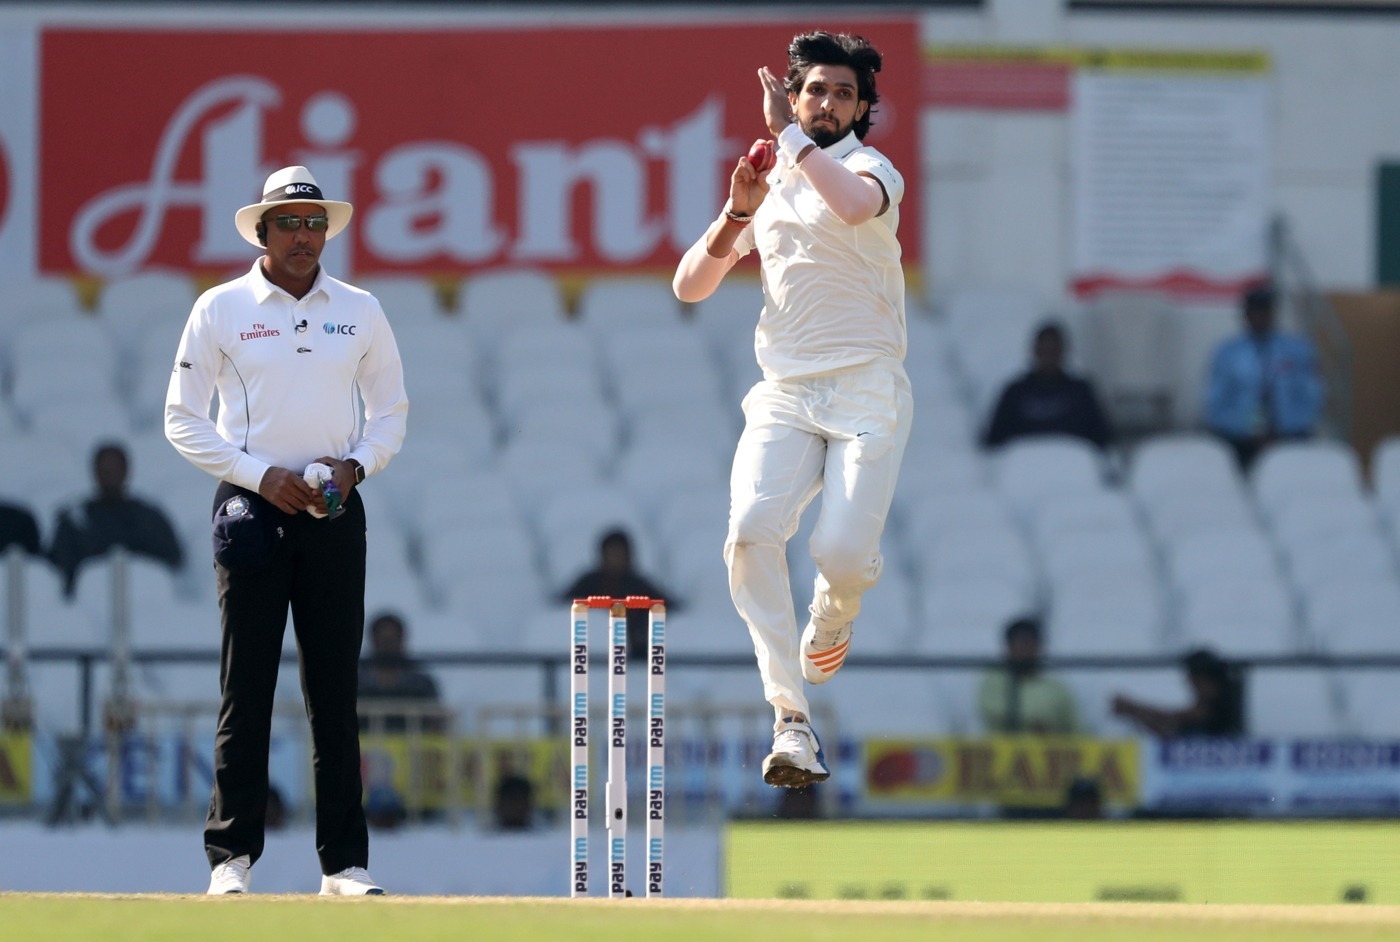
(823, 48)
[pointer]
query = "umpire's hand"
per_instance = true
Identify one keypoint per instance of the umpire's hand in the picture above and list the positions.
(286, 490)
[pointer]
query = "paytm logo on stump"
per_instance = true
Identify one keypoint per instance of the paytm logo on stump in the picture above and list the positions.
(339, 328)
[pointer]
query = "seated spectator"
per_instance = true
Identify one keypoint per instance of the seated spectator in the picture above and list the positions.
(513, 803)
(111, 518)
(1083, 800)
(388, 677)
(18, 527)
(1017, 698)
(1047, 400)
(615, 577)
(1216, 709)
(1264, 384)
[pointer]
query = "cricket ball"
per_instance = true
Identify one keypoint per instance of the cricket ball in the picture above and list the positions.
(762, 156)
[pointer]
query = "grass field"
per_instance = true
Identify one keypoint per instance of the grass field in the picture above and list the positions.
(45, 917)
(1238, 862)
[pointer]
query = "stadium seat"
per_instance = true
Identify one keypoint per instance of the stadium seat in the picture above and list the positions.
(1221, 554)
(1385, 476)
(1132, 346)
(572, 521)
(1291, 469)
(1174, 517)
(404, 298)
(1107, 511)
(583, 422)
(935, 513)
(979, 552)
(1096, 616)
(1240, 616)
(88, 365)
(1182, 463)
(1031, 472)
(611, 305)
(966, 617)
(1291, 702)
(1325, 559)
(497, 303)
(470, 567)
(1107, 555)
(888, 703)
(1372, 702)
(1355, 614)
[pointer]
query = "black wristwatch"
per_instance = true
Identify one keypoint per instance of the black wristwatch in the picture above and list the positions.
(359, 471)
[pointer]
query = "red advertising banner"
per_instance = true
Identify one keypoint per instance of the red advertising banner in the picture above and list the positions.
(580, 147)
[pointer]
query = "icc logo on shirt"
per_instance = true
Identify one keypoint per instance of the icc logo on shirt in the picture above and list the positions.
(340, 328)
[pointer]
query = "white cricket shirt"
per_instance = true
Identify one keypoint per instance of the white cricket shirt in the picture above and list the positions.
(286, 371)
(833, 293)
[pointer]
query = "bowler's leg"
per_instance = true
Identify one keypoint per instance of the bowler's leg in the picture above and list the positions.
(776, 473)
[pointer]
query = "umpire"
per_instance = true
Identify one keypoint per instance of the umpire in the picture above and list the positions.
(288, 349)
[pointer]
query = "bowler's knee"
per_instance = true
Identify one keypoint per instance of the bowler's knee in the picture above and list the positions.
(754, 525)
(846, 566)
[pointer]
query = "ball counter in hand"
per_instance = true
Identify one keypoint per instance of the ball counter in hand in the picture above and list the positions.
(762, 157)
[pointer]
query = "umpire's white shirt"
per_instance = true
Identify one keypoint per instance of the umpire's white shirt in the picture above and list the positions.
(833, 292)
(286, 371)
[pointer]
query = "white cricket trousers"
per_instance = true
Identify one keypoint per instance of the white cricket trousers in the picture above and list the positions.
(840, 433)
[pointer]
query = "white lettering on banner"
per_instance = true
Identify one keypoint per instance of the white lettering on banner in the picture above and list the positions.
(432, 198)
(232, 155)
(548, 174)
(462, 205)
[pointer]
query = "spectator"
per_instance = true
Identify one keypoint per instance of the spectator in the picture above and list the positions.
(799, 804)
(1264, 384)
(18, 527)
(615, 577)
(111, 518)
(514, 799)
(1017, 697)
(388, 677)
(1047, 400)
(1216, 709)
(1084, 800)
(276, 809)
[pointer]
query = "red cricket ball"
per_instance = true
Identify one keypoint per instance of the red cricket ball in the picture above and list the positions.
(762, 157)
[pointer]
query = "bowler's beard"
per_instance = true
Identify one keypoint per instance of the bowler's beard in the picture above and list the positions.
(824, 135)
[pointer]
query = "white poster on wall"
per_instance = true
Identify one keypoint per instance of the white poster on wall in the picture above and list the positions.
(1171, 173)
(18, 44)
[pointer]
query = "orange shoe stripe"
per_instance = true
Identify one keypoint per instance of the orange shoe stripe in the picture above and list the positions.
(836, 653)
(834, 657)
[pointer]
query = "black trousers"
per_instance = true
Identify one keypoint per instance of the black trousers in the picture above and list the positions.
(319, 575)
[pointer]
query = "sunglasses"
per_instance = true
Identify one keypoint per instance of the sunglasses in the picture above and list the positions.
(289, 222)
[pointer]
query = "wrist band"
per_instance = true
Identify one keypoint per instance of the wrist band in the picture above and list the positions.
(794, 144)
(737, 217)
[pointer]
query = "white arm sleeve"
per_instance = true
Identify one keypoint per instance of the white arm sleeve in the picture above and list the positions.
(380, 379)
(187, 399)
(854, 198)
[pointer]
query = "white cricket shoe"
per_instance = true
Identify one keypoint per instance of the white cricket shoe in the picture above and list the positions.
(796, 759)
(823, 652)
(352, 881)
(231, 876)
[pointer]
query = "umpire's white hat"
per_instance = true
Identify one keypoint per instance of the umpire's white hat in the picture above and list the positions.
(294, 185)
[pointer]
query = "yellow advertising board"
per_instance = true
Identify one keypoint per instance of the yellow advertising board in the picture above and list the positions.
(16, 769)
(424, 771)
(1020, 771)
